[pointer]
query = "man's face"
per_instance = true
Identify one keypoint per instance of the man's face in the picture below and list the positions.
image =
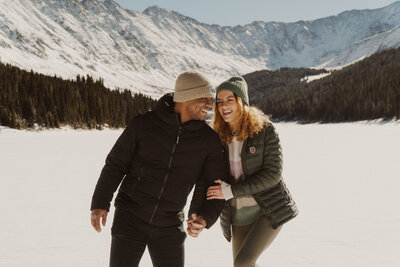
(196, 109)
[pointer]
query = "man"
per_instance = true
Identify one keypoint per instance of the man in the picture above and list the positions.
(157, 160)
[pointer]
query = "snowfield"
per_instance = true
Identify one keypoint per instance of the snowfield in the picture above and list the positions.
(344, 178)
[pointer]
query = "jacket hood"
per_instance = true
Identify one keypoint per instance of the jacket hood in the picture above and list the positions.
(165, 110)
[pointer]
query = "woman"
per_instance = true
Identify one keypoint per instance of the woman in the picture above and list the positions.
(258, 202)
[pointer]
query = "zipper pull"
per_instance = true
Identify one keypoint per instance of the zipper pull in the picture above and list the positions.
(179, 134)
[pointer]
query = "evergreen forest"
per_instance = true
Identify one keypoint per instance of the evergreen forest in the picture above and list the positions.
(366, 90)
(32, 100)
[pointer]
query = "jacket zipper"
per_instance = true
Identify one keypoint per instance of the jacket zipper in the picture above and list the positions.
(166, 176)
(242, 156)
(140, 175)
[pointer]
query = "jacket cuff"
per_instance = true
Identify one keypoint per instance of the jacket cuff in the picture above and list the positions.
(209, 222)
(226, 191)
(96, 204)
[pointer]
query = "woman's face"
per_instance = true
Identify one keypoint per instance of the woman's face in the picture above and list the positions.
(228, 106)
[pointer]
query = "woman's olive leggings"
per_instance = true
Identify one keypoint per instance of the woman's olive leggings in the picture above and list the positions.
(249, 241)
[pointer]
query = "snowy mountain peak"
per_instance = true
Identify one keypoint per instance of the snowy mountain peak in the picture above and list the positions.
(162, 14)
(151, 10)
(146, 51)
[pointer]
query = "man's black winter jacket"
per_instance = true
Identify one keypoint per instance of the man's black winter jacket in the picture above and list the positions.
(159, 160)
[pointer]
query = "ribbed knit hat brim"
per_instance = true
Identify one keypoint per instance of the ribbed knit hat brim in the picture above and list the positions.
(191, 85)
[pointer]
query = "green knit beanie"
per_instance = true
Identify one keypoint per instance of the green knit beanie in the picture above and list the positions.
(238, 86)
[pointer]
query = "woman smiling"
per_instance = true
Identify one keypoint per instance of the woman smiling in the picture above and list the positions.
(258, 201)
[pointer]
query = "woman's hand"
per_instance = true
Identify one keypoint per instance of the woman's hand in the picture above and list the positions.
(215, 192)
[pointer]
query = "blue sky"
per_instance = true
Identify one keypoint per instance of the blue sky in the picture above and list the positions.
(234, 12)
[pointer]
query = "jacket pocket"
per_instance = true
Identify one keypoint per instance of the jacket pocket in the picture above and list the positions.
(135, 183)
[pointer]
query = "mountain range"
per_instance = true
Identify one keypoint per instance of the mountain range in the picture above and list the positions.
(145, 51)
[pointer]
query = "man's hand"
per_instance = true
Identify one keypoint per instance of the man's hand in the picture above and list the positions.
(95, 218)
(196, 224)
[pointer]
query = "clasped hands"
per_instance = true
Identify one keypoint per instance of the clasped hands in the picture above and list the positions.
(195, 225)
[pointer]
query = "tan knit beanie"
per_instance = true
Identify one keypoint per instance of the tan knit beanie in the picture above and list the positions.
(192, 84)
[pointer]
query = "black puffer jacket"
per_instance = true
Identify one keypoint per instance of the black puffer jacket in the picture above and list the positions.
(159, 160)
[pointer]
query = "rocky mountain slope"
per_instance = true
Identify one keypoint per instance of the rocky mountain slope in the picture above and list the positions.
(145, 51)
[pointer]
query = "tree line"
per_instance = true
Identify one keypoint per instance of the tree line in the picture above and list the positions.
(266, 82)
(29, 99)
(366, 90)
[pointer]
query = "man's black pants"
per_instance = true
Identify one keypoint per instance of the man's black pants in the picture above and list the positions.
(130, 237)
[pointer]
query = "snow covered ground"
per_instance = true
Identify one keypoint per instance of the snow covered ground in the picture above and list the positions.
(344, 178)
